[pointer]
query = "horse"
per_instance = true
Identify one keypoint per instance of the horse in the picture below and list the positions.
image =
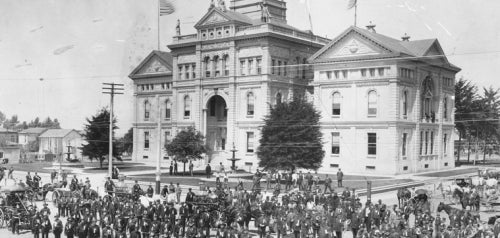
(461, 213)
(403, 195)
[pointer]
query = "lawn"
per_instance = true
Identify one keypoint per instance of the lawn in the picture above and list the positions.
(356, 182)
(449, 173)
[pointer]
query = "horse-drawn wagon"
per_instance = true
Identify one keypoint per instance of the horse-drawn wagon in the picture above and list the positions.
(14, 202)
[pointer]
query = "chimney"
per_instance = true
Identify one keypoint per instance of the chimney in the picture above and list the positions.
(406, 37)
(371, 27)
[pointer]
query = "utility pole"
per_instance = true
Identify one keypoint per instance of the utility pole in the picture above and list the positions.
(111, 89)
(158, 161)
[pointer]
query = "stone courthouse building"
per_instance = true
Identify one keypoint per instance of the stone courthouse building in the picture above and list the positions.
(386, 106)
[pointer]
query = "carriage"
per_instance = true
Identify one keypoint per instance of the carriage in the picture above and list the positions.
(14, 199)
(59, 193)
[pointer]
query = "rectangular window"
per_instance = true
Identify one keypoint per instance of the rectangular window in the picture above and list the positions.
(445, 144)
(187, 71)
(285, 68)
(145, 157)
(344, 74)
(372, 72)
(426, 166)
(363, 73)
(180, 72)
(426, 142)
(250, 141)
(250, 66)
(167, 137)
(403, 149)
(146, 140)
(1, 155)
(381, 72)
(446, 164)
(329, 74)
(421, 142)
(432, 142)
(242, 67)
(370, 167)
(336, 73)
(273, 64)
(405, 168)
(335, 143)
(279, 67)
(334, 165)
(193, 70)
(259, 66)
(445, 107)
(372, 143)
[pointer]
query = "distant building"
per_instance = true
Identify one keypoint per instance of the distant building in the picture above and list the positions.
(9, 135)
(57, 143)
(29, 135)
(10, 151)
(386, 104)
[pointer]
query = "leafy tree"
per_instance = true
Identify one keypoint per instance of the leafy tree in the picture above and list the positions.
(291, 137)
(2, 118)
(11, 123)
(187, 145)
(33, 146)
(126, 142)
(96, 132)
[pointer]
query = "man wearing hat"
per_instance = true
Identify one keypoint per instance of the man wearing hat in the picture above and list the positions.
(46, 226)
(94, 230)
(36, 225)
(58, 227)
(150, 191)
(45, 211)
(70, 228)
(110, 186)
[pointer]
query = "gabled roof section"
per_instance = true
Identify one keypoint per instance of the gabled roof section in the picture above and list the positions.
(34, 130)
(216, 16)
(56, 133)
(394, 47)
(157, 63)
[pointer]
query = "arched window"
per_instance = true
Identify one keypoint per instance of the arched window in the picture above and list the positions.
(427, 100)
(372, 103)
(216, 66)
(336, 104)
(445, 108)
(187, 106)
(206, 66)
(250, 104)
(278, 98)
(405, 104)
(168, 110)
(147, 110)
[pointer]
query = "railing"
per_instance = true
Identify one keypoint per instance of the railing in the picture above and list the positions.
(185, 38)
(240, 31)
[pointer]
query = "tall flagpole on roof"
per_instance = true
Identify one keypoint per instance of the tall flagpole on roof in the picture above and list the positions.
(353, 4)
(159, 24)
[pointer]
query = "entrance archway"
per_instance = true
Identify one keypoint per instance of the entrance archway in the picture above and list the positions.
(216, 131)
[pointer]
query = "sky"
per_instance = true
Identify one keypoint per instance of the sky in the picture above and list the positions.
(55, 54)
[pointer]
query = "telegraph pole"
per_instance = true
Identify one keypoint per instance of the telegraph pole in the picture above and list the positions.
(111, 89)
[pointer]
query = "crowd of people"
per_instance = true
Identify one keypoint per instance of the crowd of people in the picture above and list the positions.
(307, 206)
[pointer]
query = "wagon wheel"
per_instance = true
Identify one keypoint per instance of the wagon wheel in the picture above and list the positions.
(55, 197)
(3, 221)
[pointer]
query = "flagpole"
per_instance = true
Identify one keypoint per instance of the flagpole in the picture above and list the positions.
(355, 12)
(159, 24)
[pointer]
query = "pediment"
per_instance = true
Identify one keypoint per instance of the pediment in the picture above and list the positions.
(154, 64)
(353, 45)
(212, 18)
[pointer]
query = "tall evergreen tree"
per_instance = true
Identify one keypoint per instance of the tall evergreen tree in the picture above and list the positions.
(291, 137)
(96, 133)
(465, 109)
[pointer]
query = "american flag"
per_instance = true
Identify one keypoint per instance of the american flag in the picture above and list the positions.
(166, 7)
(351, 4)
